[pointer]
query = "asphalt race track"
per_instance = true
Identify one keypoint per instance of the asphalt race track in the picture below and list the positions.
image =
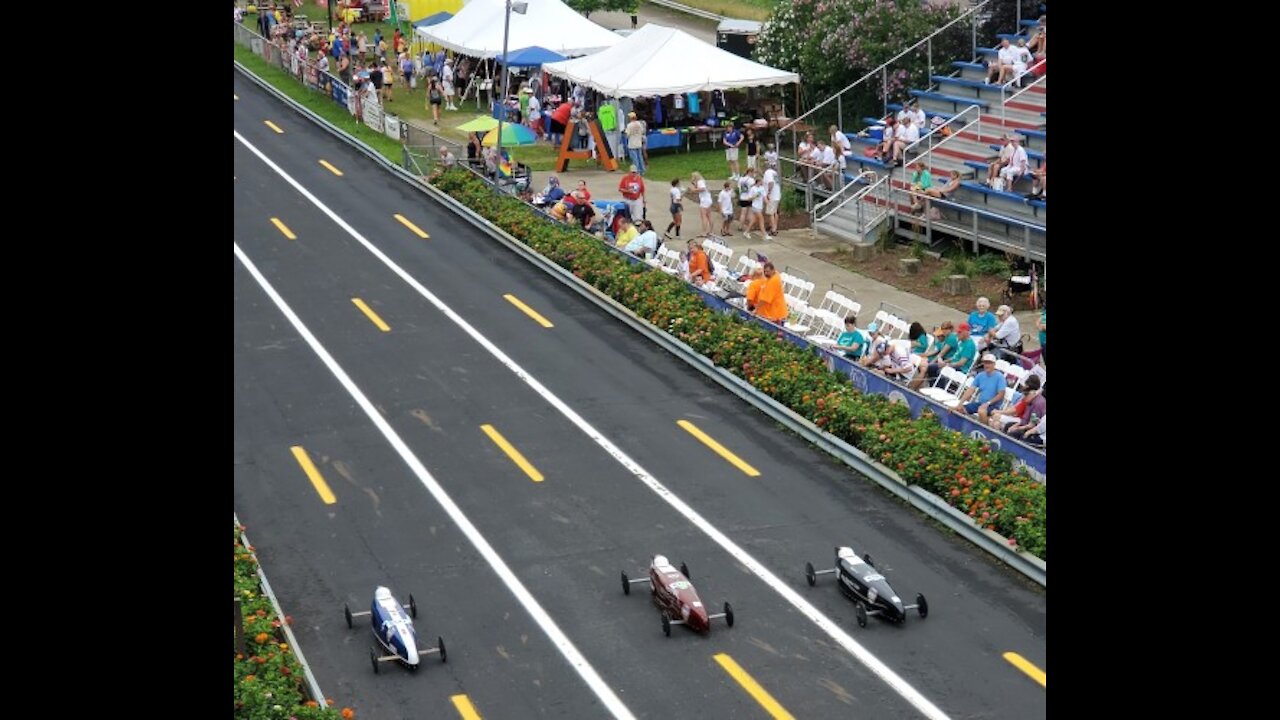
(565, 538)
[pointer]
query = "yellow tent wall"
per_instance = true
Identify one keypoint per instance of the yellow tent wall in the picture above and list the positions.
(419, 9)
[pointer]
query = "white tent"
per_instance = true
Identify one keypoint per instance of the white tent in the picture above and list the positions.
(477, 30)
(658, 60)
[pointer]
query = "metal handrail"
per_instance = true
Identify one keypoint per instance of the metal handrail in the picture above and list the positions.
(882, 70)
(1004, 88)
(814, 214)
(977, 112)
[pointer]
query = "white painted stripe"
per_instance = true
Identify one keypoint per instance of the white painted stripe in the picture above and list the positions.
(540, 616)
(895, 681)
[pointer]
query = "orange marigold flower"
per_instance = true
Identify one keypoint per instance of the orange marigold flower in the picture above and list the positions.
(261, 637)
(329, 700)
(348, 713)
(284, 646)
(311, 703)
(250, 678)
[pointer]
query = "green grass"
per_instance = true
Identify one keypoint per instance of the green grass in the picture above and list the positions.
(747, 9)
(318, 103)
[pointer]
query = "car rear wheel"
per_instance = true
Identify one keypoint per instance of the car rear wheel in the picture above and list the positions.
(728, 614)
(626, 585)
(866, 558)
(810, 575)
(860, 612)
(373, 658)
(666, 625)
(413, 606)
(347, 611)
(923, 605)
(444, 658)
(685, 569)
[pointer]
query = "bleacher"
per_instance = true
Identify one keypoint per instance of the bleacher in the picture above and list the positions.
(1005, 219)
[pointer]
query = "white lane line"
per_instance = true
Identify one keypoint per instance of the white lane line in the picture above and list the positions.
(540, 616)
(863, 655)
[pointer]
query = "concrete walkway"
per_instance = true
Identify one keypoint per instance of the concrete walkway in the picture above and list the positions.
(791, 251)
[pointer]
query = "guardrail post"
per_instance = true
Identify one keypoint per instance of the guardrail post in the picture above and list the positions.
(930, 61)
(1026, 241)
(840, 113)
(973, 37)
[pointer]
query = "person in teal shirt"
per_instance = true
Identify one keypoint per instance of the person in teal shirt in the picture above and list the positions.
(1042, 324)
(853, 342)
(958, 352)
(919, 339)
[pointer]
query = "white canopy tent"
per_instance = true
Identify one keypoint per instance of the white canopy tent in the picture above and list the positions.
(658, 60)
(477, 30)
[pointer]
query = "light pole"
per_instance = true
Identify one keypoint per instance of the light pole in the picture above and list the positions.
(521, 8)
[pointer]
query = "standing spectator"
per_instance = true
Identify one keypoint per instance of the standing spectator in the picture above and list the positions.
(534, 120)
(635, 133)
(745, 184)
(753, 149)
(447, 159)
(435, 96)
(406, 69)
(771, 303)
(772, 198)
(381, 44)
(757, 210)
(699, 185)
(771, 156)
(841, 146)
(446, 84)
(560, 126)
(732, 140)
(362, 46)
(632, 188)
(1042, 325)
(677, 207)
(726, 209)
(375, 79)
(581, 193)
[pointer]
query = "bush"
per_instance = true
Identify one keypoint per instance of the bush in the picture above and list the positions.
(960, 469)
(269, 682)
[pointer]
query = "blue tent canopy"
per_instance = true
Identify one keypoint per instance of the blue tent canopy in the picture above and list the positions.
(433, 19)
(532, 57)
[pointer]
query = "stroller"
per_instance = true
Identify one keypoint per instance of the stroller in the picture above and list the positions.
(612, 213)
(1023, 280)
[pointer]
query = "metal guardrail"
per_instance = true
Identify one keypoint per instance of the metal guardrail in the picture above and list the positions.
(918, 497)
(312, 685)
(686, 9)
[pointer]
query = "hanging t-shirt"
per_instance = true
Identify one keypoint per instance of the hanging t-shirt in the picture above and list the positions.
(693, 103)
(608, 117)
(677, 101)
(657, 110)
(717, 100)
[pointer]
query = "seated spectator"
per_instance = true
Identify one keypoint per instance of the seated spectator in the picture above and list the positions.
(958, 352)
(840, 145)
(877, 346)
(771, 303)
(582, 193)
(644, 244)
(906, 134)
(447, 158)
(899, 364)
(1039, 179)
(560, 210)
(851, 342)
(998, 71)
(943, 192)
(753, 288)
(552, 193)
(627, 232)
(921, 340)
(1006, 336)
(1034, 409)
(911, 109)
(1006, 154)
(980, 321)
(940, 334)
(699, 268)
(986, 391)
(1021, 61)
(999, 419)
(1039, 39)
(583, 212)
(1017, 166)
(921, 183)
(1036, 435)
(885, 149)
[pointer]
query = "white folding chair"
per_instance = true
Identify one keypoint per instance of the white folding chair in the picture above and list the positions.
(947, 387)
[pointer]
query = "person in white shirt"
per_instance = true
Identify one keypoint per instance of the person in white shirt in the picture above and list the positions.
(841, 145)
(802, 156)
(757, 212)
(677, 207)
(699, 185)
(535, 114)
(745, 183)
(1008, 334)
(773, 196)
(829, 166)
(886, 137)
(1017, 166)
(644, 244)
(1021, 59)
(1006, 154)
(771, 156)
(996, 69)
(907, 134)
(726, 209)
(912, 110)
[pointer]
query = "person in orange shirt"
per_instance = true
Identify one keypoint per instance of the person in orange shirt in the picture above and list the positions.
(753, 288)
(771, 303)
(699, 270)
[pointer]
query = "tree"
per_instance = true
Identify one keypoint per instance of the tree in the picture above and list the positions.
(832, 43)
(586, 7)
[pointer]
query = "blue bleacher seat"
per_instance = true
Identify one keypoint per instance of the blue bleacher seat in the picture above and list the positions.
(959, 102)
